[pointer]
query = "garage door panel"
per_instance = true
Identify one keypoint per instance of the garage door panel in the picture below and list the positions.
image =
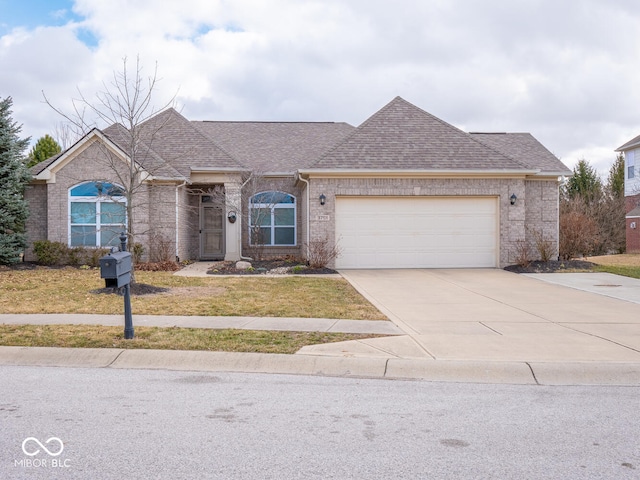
(418, 232)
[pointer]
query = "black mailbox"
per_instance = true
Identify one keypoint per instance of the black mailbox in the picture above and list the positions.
(115, 268)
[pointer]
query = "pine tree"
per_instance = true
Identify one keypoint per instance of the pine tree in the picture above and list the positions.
(615, 181)
(584, 183)
(44, 148)
(14, 177)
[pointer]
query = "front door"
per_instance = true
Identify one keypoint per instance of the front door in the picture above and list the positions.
(211, 229)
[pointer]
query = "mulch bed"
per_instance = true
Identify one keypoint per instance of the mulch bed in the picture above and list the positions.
(272, 267)
(551, 266)
(135, 289)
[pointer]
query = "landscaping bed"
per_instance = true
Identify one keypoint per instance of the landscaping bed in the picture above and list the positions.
(552, 266)
(270, 267)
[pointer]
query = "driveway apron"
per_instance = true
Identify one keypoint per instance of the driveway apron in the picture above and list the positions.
(494, 315)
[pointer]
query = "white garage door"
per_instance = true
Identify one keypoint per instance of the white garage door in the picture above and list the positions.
(417, 232)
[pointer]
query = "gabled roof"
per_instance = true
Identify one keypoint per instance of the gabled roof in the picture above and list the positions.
(176, 145)
(634, 142)
(526, 149)
(402, 136)
(281, 147)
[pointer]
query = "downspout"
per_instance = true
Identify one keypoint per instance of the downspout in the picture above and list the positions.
(308, 214)
(248, 259)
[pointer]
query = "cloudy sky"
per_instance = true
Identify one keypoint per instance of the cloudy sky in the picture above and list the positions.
(565, 70)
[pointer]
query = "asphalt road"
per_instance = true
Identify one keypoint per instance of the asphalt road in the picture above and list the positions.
(108, 424)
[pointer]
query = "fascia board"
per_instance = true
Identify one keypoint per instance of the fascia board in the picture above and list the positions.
(362, 173)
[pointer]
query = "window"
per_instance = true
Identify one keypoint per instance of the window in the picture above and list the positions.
(631, 164)
(97, 214)
(272, 219)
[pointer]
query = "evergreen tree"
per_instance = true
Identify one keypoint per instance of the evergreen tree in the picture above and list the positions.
(615, 181)
(584, 182)
(44, 148)
(14, 177)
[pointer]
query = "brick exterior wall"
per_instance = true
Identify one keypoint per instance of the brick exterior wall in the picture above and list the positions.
(279, 184)
(535, 209)
(153, 211)
(632, 234)
(36, 226)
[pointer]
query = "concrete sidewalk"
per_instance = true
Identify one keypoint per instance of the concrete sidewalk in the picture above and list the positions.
(379, 327)
(447, 325)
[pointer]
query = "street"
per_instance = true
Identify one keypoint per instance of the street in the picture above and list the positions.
(108, 424)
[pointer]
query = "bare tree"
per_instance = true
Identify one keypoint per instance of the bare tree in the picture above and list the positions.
(125, 105)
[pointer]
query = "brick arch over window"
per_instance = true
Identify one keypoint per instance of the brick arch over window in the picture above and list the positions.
(272, 219)
(97, 214)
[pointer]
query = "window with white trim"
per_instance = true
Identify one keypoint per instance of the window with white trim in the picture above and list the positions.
(97, 214)
(272, 219)
(629, 158)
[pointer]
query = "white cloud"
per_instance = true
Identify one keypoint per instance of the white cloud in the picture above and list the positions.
(563, 71)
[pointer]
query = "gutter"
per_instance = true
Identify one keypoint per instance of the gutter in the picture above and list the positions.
(354, 172)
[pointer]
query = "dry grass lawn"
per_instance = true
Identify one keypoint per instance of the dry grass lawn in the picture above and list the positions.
(70, 290)
(95, 336)
(625, 260)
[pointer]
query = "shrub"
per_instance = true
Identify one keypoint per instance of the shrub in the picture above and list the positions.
(158, 267)
(578, 234)
(543, 246)
(58, 253)
(319, 254)
(522, 253)
(161, 249)
(137, 252)
(50, 253)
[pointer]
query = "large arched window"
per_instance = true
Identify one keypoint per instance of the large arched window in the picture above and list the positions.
(272, 219)
(97, 214)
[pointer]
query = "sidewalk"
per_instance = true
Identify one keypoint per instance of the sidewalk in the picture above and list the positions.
(486, 326)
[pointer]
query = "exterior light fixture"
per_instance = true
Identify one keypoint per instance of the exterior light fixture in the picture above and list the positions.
(323, 199)
(513, 198)
(232, 217)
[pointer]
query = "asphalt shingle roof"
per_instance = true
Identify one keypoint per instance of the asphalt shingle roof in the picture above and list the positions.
(525, 148)
(275, 146)
(400, 136)
(177, 143)
(634, 142)
(403, 136)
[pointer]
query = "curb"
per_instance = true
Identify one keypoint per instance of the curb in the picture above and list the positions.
(518, 373)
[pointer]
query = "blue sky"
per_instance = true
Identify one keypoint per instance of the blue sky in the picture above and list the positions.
(33, 13)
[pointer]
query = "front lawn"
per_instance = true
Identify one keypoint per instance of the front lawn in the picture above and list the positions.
(168, 338)
(627, 264)
(71, 290)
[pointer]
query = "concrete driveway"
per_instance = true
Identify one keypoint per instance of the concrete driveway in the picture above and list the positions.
(494, 315)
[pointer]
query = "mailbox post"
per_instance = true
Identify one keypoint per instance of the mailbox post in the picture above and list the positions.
(116, 269)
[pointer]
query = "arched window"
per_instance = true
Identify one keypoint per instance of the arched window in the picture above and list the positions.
(272, 219)
(97, 214)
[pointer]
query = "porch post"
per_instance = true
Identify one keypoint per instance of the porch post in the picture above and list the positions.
(233, 230)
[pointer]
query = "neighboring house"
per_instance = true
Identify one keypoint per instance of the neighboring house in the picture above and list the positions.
(404, 189)
(631, 151)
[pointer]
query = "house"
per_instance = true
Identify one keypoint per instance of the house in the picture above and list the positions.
(403, 190)
(631, 150)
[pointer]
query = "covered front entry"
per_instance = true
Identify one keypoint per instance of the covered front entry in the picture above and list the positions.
(212, 234)
(417, 232)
